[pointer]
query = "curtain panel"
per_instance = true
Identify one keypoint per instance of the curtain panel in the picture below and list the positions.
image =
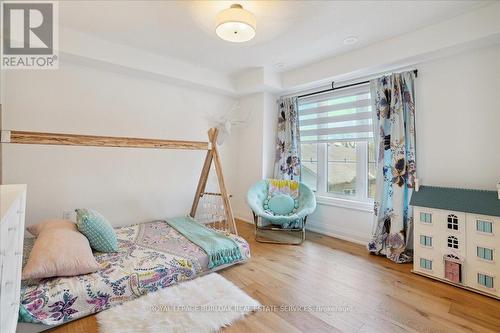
(287, 161)
(393, 101)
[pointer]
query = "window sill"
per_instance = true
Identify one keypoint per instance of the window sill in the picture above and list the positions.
(488, 289)
(365, 206)
(426, 223)
(482, 233)
(485, 260)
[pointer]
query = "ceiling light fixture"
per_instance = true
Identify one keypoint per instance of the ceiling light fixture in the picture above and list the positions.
(235, 24)
(350, 40)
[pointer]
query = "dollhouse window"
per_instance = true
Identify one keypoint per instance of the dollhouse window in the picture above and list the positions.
(426, 263)
(425, 240)
(484, 253)
(452, 222)
(426, 217)
(484, 226)
(485, 280)
(453, 242)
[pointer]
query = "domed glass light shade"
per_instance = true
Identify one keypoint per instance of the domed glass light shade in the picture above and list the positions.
(235, 24)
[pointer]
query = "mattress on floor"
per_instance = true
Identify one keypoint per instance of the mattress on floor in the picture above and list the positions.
(151, 256)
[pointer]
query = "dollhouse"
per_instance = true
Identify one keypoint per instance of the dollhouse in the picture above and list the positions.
(457, 237)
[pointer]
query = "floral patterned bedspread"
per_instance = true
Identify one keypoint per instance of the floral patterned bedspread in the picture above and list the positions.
(151, 256)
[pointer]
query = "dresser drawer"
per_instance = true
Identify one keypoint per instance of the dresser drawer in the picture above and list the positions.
(10, 281)
(11, 246)
(12, 231)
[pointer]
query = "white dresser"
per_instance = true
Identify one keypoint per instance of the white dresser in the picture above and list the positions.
(12, 207)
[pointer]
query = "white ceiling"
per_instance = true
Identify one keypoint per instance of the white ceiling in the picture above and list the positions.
(291, 32)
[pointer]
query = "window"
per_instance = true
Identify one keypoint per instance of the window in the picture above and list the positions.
(309, 160)
(452, 222)
(426, 263)
(485, 280)
(425, 240)
(484, 253)
(453, 242)
(426, 217)
(342, 168)
(372, 169)
(484, 226)
(337, 150)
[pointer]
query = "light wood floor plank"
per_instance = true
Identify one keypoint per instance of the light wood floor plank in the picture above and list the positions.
(381, 296)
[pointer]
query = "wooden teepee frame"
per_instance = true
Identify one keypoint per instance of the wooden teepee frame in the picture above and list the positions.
(213, 156)
(23, 137)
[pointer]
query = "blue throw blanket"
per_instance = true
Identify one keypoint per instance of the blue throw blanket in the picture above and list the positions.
(220, 248)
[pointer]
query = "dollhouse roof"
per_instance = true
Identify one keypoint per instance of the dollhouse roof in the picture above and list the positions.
(457, 199)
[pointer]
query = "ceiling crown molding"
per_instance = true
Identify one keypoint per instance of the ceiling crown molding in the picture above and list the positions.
(92, 51)
(465, 32)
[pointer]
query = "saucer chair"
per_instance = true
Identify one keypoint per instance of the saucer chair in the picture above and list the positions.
(290, 219)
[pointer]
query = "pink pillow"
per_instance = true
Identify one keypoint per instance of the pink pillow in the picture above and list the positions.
(53, 223)
(59, 250)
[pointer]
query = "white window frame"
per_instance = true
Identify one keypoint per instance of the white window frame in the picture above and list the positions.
(360, 201)
(484, 232)
(425, 214)
(427, 239)
(486, 275)
(427, 262)
(491, 250)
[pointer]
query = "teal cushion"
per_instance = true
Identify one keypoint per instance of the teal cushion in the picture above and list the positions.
(97, 229)
(281, 204)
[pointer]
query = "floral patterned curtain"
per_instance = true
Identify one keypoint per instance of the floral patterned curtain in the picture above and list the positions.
(287, 163)
(393, 100)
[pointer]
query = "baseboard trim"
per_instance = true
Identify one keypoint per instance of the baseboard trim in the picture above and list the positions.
(241, 216)
(353, 238)
(243, 219)
(459, 285)
(347, 236)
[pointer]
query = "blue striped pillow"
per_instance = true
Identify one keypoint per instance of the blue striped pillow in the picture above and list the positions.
(97, 229)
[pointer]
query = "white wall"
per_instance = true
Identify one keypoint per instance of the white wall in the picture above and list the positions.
(247, 153)
(458, 120)
(470, 30)
(269, 128)
(126, 185)
(458, 136)
(253, 147)
(345, 223)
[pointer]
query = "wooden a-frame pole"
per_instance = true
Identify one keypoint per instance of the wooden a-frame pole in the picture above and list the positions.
(213, 155)
(40, 138)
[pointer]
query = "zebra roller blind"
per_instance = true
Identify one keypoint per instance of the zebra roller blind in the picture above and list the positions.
(341, 115)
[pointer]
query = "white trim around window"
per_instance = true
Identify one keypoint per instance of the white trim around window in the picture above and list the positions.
(361, 201)
(345, 203)
(336, 130)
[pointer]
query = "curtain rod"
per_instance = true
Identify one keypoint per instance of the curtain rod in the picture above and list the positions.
(342, 87)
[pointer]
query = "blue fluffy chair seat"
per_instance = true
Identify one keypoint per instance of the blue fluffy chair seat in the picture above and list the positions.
(257, 195)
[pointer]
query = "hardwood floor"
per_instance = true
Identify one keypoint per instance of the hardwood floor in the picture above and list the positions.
(379, 296)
